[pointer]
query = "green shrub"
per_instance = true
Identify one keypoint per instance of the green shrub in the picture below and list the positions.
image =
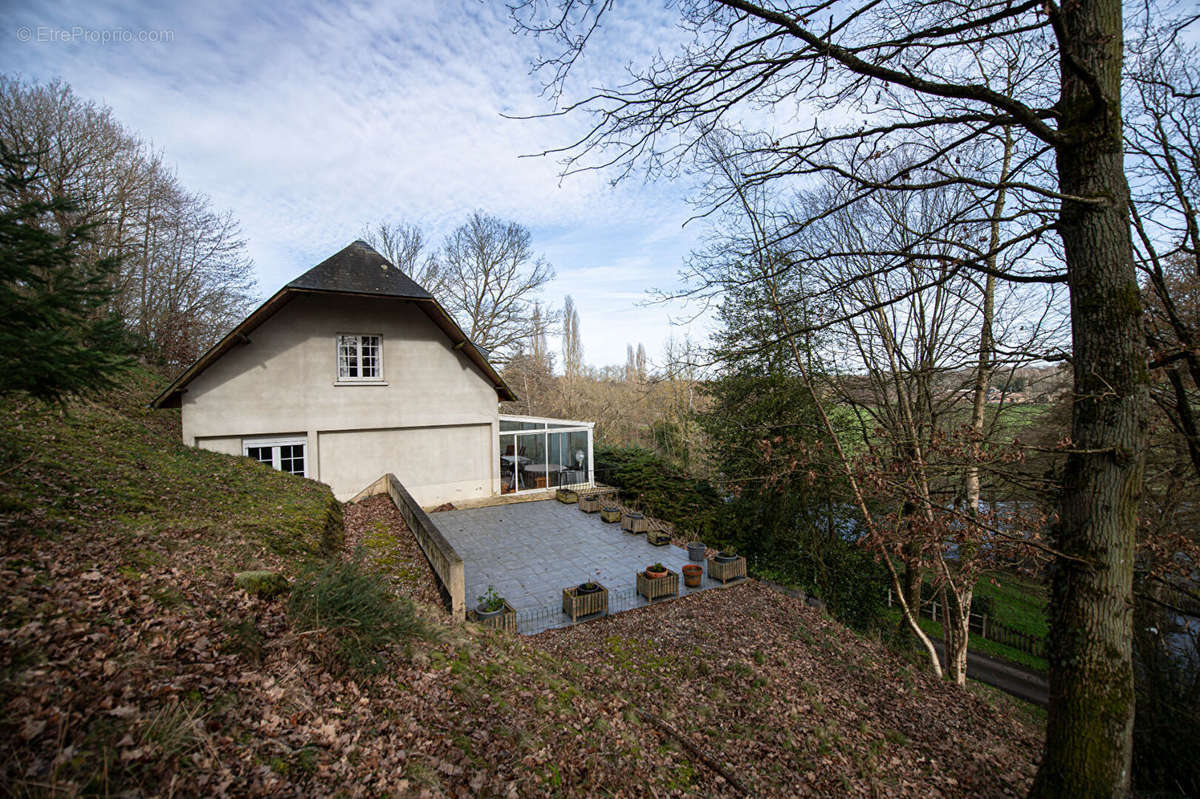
(849, 580)
(660, 489)
(357, 606)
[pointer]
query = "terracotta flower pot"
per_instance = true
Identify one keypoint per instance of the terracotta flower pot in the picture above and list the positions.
(692, 575)
(653, 575)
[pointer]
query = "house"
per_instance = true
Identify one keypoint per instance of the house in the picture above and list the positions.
(352, 371)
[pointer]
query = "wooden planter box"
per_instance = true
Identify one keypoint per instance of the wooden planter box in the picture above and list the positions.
(589, 504)
(610, 514)
(578, 606)
(724, 572)
(658, 587)
(634, 524)
(660, 538)
(506, 620)
(567, 496)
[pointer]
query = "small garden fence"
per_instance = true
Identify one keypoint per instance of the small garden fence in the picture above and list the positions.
(536, 620)
(985, 626)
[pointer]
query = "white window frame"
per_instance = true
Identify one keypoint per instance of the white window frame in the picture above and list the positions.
(275, 443)
(376, 379)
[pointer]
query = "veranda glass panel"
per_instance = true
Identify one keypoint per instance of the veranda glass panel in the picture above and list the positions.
(508, 425)
(536, 473)
(510, 465)
(577, 447)
(569, 457)
(560, 459)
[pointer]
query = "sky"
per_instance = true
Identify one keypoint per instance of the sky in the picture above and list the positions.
(311, 121)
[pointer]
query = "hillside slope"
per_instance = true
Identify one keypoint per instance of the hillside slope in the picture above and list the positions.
(128, 662)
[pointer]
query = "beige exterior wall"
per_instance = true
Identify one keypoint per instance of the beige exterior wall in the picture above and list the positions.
(433, 423)
(230, 445)
(430, 462)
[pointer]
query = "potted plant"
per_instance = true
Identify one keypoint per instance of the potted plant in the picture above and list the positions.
(727, 565)
(657, 582)
(691, 575)
(658, 537)
(587, 599)
(696, 550)
(589, 503)
(610, 513)
(633, 521)
(490, 604)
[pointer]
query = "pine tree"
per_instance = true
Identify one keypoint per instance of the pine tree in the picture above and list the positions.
(58, 337)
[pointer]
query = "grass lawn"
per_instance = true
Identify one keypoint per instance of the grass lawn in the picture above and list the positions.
(1018, 602)
(980, 644)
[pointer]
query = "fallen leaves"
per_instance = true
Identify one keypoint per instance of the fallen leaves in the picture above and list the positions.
(128, 663)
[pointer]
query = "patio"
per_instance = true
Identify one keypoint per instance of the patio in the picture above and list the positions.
(531, 551)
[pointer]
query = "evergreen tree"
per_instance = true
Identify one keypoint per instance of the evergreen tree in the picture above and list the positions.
(772, 455)
(58, 336)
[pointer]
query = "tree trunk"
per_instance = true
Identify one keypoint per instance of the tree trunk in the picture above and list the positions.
(1089, 729)
(913, 578)
(958, 619)
(956, 623)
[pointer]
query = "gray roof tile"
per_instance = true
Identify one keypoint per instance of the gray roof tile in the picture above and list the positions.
(359, 269)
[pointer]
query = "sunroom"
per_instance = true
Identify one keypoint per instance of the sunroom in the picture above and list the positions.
(537, 454)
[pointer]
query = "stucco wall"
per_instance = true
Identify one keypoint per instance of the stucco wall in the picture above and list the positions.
(230, 445)
(435, 464)
(433, 424)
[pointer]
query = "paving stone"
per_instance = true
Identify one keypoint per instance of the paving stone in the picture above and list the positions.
(532, 550)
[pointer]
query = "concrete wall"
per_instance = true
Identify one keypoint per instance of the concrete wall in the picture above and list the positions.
(433, 422)
(447, 564)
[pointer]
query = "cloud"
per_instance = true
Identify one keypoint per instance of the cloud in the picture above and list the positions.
(310, 121)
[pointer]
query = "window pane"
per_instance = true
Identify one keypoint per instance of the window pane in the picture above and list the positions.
(260, 454)
(291, 459)
(347, 356)
(370, 356)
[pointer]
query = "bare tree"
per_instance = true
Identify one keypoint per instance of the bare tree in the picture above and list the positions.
(184, 276)
(913, 65)
(404, 245)
(531, 369)
(490, 277)
(639, 364)
(1163, 141)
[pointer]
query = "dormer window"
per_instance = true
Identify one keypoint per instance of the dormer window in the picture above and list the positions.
(359, 358)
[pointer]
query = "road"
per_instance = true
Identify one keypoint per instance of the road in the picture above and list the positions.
(1027, 685)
